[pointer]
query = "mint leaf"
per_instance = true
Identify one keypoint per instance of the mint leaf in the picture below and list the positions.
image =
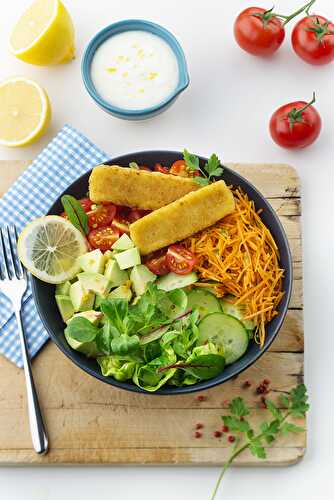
(75, 213)
(238, 408)
(81, 330)
(192, 161)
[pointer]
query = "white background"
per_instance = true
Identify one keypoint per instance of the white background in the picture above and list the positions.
(225, 110)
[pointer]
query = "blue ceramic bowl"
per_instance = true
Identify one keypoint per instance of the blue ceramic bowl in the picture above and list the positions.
(138, 25)
(46, 305)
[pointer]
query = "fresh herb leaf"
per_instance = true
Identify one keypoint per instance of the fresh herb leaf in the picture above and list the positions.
(202, 181)
(191, 161)
(238, 408)
(116, 310)
(213, 164)
(81, 330)
(212, 167)
(295, 404)
(133, 165)
(124, 344)
(75, 213)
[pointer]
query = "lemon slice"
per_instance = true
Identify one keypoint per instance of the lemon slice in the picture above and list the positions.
(48, 247)
(25, 112)
(44, 34)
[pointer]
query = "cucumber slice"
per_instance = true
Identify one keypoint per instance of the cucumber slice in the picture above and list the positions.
(204, 301)
(237, 311)
(226, 332)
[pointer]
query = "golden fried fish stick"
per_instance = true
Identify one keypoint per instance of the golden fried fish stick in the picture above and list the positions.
(182, 218)
(137, 188)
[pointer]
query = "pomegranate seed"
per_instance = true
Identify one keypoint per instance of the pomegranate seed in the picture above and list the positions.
(199, 426)
(217, 434)
(246, 384)
(198, 434)
(226, 402)
(262, 389)
(266, 381)
(242, 419)
(231, 439)
(263, 402)
(225, 428)
(201, 398)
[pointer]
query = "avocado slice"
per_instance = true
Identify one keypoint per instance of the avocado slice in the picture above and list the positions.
(122, 292)
(92, 262)
(171, 281)
(93, 316)
(65, 307)
(123, 243)
(128, 258)
(114, 274)
(94, 282)
(63, 288)
(82, 299)
(140, 276)
(88, 348)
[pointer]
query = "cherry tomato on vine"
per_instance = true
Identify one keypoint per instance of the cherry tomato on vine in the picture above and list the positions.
(180, 260)
(313, 40)
(102, 216)
(103, 238)
(295, 125)
(258, 31)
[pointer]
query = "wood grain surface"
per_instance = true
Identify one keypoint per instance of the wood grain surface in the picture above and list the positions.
(92, 423)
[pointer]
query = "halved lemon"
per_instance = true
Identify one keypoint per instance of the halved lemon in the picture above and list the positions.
(44, 34)
(48, 247)
(25, 112)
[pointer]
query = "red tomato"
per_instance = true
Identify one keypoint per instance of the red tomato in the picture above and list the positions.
(258, 31)
(295, 125)
(157, 264)
(180, 168)
(159, 168)
(143, 167)
(101, 216)
(135, 214)
(103, 238)
(180, 260)
(86, 204)
(312, 40)
(121, 225)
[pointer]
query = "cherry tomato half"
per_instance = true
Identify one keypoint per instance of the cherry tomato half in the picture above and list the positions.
(258, 32)
(157, 263)
(295, 125)
(313, 40)
(121, 225)
(86, 204)
(102, 216)
(180, 260)
(180, 168)
(103, 238)
(159, 168)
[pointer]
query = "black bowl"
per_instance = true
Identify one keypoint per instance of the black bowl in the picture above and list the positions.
(44, 293)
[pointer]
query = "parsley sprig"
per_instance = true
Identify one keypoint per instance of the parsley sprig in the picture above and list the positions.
(212, 167)
(295, 405)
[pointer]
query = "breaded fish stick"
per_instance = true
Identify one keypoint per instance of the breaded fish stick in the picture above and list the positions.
(182, 218)
(137, 188)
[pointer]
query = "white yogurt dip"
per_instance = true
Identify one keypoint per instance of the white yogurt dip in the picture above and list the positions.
(134, 70)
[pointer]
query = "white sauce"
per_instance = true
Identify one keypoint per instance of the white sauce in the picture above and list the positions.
(134, 70)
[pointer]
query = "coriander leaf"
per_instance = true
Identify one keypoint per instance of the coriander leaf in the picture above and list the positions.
(191, 161)
(217, 172)
(269, 438)
(75, 213)
(298, 401)
(285, 401)
(238, 408)
(290, 427)
(202, 181)
(212, 164)
(124, 344)
(81, 330)
(256, 448)
(276, 412)
(235, 424)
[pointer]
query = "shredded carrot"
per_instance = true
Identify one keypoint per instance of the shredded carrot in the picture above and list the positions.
(238, 256)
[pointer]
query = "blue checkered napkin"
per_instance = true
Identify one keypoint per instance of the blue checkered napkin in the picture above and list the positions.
(68, 156)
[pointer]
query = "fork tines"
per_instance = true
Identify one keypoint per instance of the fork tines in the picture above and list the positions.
(10, 265)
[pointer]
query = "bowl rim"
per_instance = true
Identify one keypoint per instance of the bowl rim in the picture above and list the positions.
(121, 27)
(206, 384)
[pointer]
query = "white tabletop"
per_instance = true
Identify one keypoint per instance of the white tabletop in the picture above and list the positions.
(225, 110)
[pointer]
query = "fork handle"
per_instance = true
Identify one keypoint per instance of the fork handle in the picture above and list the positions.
(37, 428)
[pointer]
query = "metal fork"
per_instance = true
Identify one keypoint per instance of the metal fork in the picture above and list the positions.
(13, 283)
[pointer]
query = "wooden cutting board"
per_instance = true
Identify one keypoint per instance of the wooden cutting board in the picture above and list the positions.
(92, 423)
